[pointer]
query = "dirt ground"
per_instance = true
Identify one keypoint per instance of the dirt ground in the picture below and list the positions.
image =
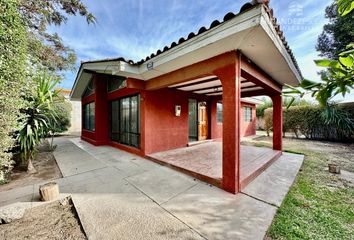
(57, 220)
(338, 153)
(45, 164)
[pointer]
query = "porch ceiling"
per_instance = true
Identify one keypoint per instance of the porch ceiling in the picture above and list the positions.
(211, 86)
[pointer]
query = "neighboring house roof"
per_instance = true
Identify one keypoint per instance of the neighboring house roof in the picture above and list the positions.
(254, 30)
(203, 29)
(64, 91)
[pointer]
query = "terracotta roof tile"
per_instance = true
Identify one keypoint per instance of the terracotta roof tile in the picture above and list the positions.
(215, 23)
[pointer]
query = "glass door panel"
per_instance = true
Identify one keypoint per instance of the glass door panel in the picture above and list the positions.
(193, 119)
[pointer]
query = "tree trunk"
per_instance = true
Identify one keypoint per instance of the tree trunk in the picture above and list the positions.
(30, 167)
(49, 191)
(51, 143)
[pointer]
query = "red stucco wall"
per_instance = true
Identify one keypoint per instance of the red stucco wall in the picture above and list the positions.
(247, 128)
(163, 130)
(216, 128)
(160, 129)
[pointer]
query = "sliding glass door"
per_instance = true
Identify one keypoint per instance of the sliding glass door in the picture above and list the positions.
(125, 119)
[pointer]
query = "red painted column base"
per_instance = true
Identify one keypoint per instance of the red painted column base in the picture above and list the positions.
(277, 122)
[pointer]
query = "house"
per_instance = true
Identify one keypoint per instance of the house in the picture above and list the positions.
(191, 91)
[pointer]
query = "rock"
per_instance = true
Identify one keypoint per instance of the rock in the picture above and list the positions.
(11, 213)
(333, 168)
(49, 191)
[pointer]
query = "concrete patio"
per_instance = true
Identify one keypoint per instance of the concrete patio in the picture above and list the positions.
(121, 195)
(204, 161)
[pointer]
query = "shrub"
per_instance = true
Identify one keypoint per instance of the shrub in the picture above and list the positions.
(12, 78)
(313, 122)
(62, 109)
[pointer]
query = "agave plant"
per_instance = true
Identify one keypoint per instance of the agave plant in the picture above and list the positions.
(37, 114)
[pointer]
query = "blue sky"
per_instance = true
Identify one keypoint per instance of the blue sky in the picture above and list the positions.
(134, 29)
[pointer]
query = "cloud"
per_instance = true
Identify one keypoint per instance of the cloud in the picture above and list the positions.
(135, 29)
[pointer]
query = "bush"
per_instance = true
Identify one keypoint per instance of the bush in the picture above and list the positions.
(313, 123)
(62, 109)
(12, 78)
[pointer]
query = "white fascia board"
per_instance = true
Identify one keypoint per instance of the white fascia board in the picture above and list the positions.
(241, 22)
(268, 27)
(73, 89)
(118, 68)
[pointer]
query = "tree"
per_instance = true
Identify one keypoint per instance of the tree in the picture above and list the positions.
(338, 33)
(47, 49)
(339, 75)
(337, 79)
(37, 114)
(26, 48)
(13, 54)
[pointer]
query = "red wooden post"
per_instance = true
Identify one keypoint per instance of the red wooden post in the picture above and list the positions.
(230, 79)
(101, 111)
(277, 122)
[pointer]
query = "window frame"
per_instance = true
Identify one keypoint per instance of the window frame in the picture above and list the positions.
(247, 114)
(126, 137)
(90, 89)
(121, 85)
(219, 117)
(88, 120)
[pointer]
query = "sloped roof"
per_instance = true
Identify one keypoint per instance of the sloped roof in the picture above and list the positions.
(215, 23)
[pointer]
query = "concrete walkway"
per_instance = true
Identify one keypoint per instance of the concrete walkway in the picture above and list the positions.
(122, 196)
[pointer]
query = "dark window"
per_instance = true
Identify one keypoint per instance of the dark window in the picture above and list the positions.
(247, 111)
(219, 112)
(193, 119)
(89, 89)
(115, 83)
(125, 121)
(89, 116)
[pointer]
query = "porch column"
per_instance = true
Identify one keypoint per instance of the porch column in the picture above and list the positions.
(277, 122)
(101, 110)
(230, 78)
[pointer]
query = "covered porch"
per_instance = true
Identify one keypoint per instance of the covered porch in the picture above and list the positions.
(204, 161)
(227, 164)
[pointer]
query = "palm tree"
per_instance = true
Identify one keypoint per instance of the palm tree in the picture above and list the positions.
(37, 114)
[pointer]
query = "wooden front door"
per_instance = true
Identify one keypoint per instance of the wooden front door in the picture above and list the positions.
(202, 121)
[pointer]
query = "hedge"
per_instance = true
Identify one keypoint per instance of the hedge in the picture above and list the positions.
(310, 122)
(13, 58)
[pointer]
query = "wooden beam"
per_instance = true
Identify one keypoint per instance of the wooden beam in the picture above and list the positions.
(255, 93)
(196, 83)
(253, 86)
(255, 74)
(206, 88)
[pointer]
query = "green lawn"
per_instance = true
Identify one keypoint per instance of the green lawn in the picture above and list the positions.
(319, 205)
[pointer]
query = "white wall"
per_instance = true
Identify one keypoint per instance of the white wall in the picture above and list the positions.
(75, 127)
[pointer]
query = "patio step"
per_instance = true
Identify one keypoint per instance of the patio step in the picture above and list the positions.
(271, 156)
(190, 144)
(213, 181)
